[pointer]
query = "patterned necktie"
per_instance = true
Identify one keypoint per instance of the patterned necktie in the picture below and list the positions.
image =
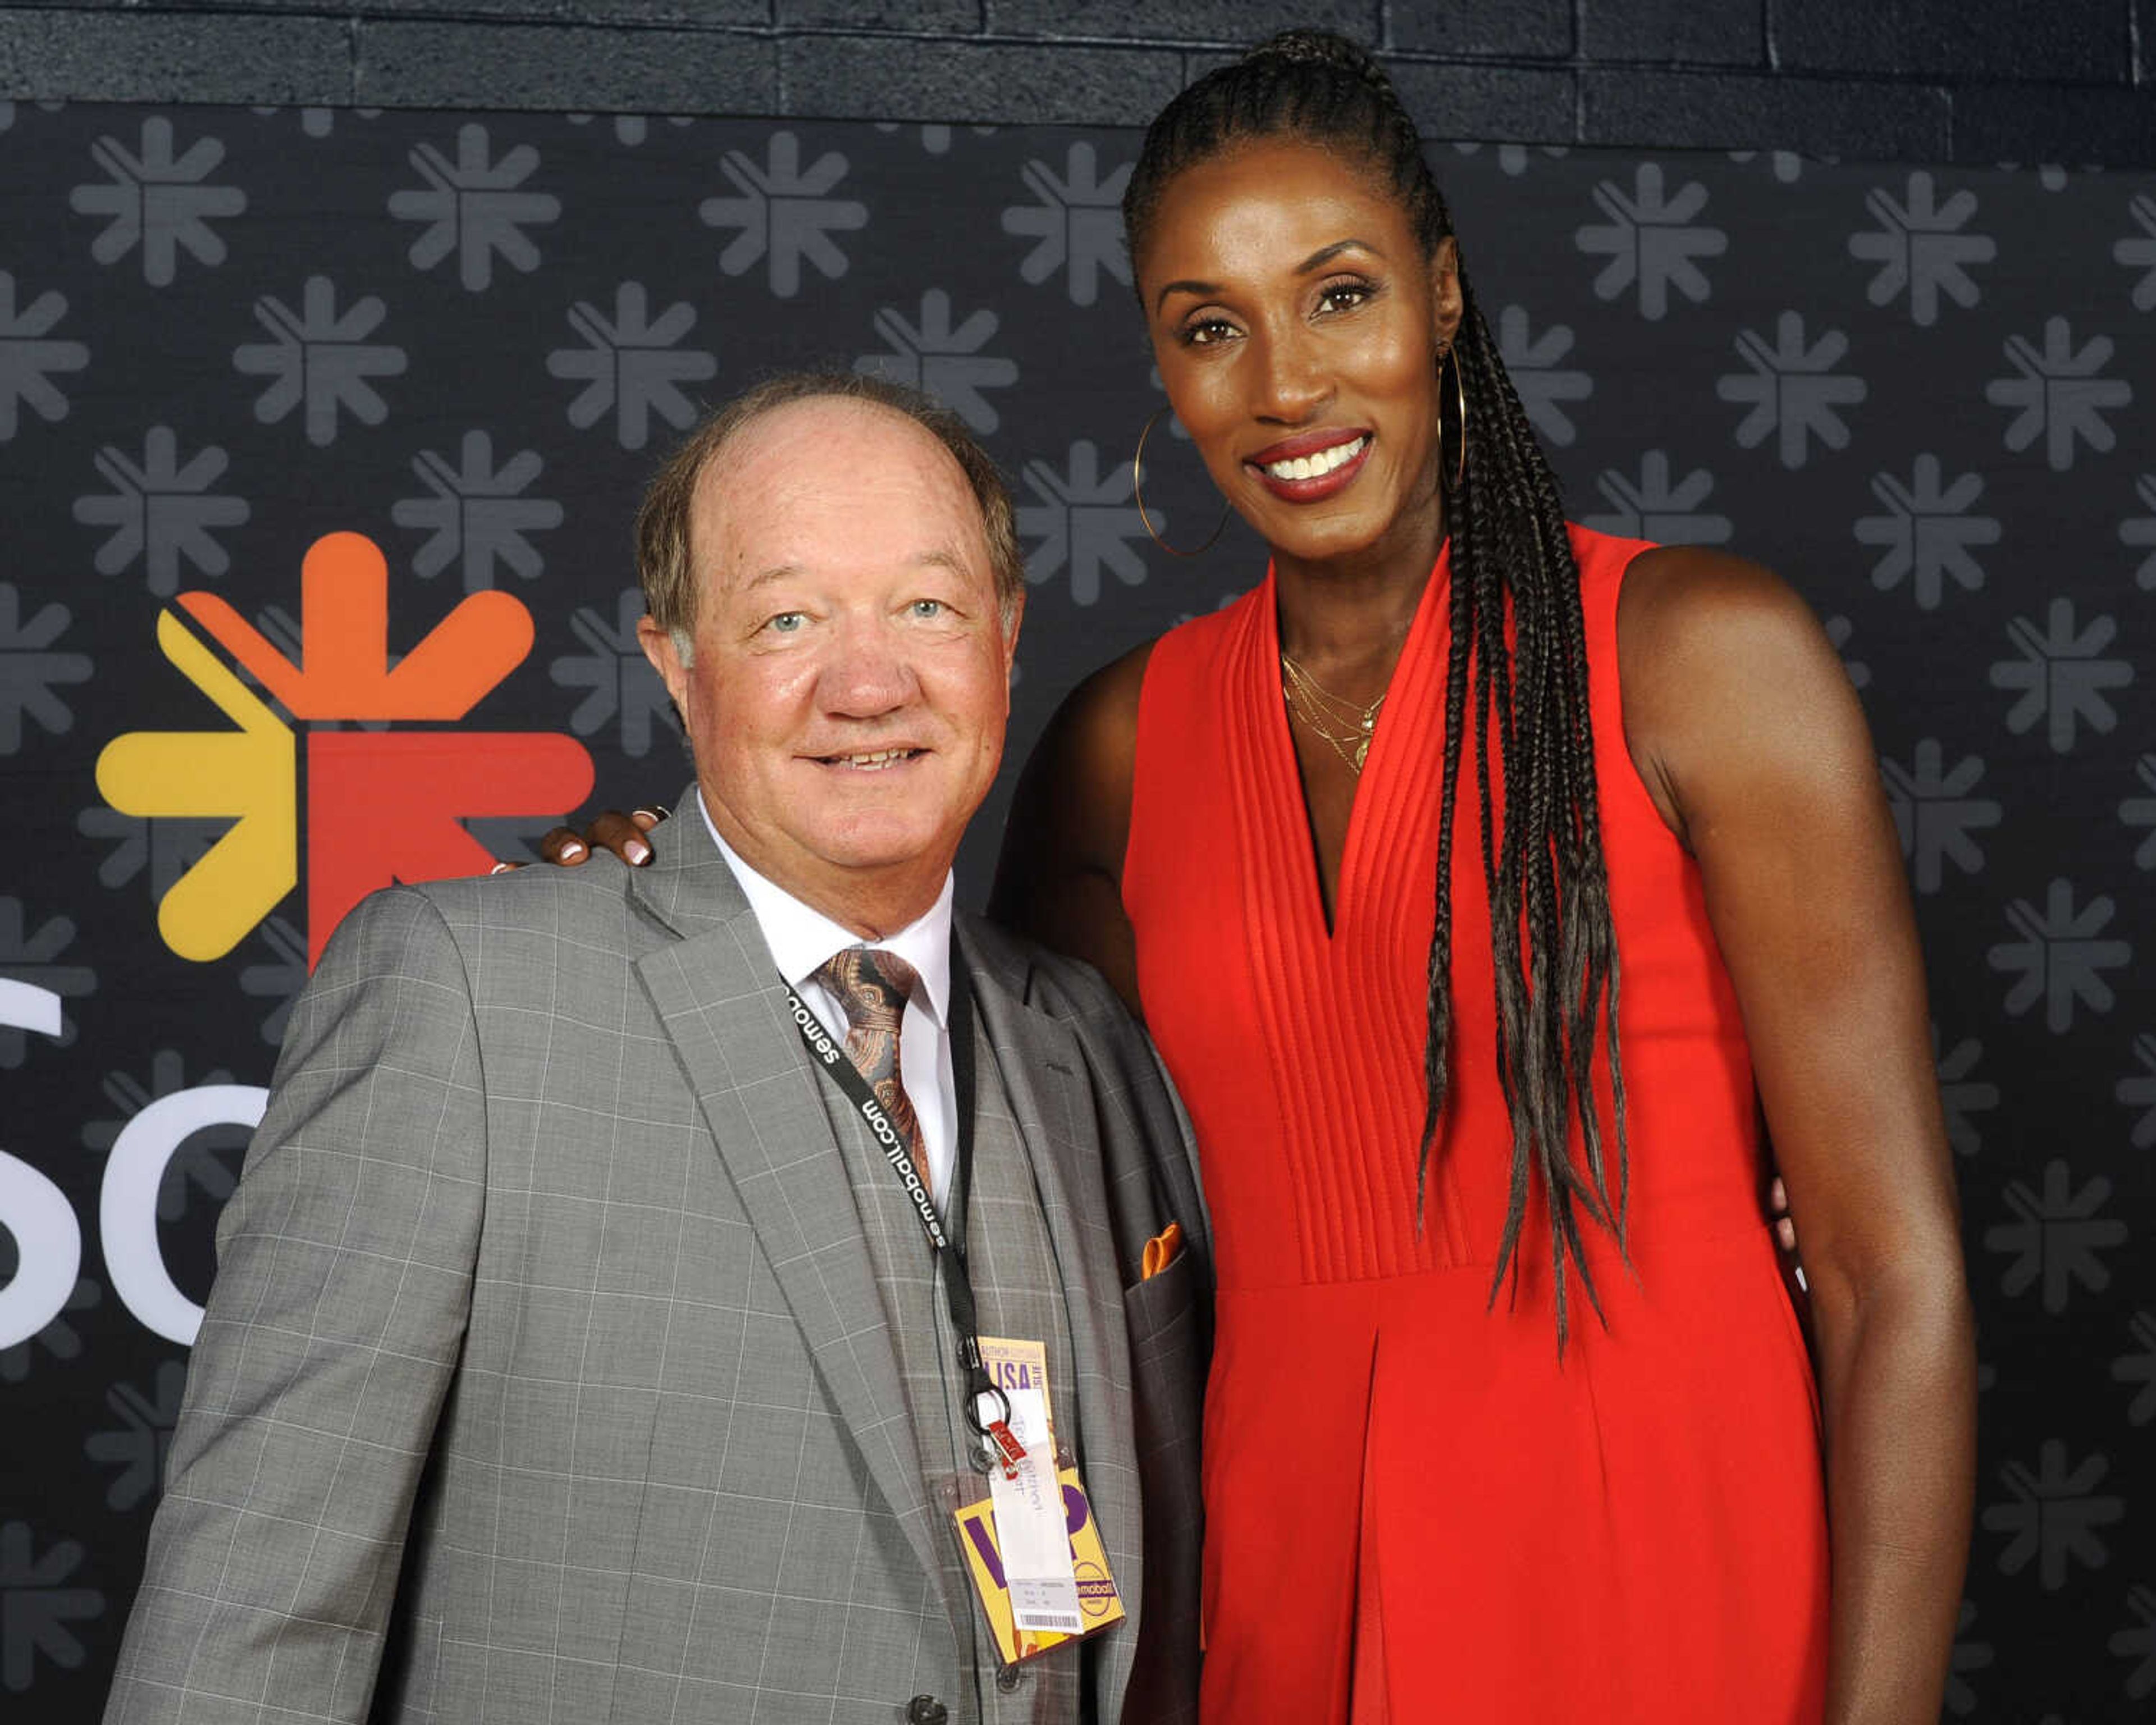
(872, 986)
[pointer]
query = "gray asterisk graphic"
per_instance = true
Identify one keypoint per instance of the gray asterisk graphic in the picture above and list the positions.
(475, 207)
(32, 672)
(2138, 1642)
(2139, 1368)
(947, 361)
(161, 509)
(2138, 251)
(785, 213)
(2061, 675)
(1658, 507)
(621, 684)
(1968, 1655)
(30, 357)
(37, 1606)
(477, 514)
(209, 1160)
(137, 1446)
(2057, 1236)
(320, 359)
(1919, 247)
(34, 959)
(1793, 388)
(165, 848)
(2137, 1090)
(2059, 956)
(281, 978)
(2059, 393)
(2140, 532)
(158, 201)
(1081, 519)
(1962, 1093)
(2052, 1516)
(1075, 221)
(2141, 812)
(1840, 631)
(59, 1339)
(632, 364)
(1926, 533)
(631, 130)
(1539, 374)
(1936, 811)
(1651, 239)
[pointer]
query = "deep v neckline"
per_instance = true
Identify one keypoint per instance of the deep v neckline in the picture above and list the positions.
(1404, 721)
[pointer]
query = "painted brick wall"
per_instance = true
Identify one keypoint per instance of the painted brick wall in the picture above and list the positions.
(1971, 81)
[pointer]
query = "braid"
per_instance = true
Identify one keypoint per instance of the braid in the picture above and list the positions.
(1551, 940)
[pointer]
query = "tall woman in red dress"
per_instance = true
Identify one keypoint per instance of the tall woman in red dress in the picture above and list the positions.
(1482, 880)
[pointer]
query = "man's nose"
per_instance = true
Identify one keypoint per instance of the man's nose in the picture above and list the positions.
(869, 672)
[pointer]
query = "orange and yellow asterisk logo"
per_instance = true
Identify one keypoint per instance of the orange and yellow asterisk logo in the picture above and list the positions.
(381, 806)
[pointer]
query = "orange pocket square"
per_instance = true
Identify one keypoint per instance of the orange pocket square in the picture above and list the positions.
(1160, 1251)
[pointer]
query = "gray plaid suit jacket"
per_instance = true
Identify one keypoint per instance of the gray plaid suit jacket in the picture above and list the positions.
(545, 1377)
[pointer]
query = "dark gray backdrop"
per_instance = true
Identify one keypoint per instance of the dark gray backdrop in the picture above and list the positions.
(1923, 394)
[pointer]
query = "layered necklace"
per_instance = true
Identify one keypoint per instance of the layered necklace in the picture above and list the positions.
(1343, 724)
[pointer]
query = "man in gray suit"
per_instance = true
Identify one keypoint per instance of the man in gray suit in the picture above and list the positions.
(578, 1351)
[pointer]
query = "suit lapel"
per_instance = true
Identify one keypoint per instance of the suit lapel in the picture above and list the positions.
(724, 1008)
(1043, 1070)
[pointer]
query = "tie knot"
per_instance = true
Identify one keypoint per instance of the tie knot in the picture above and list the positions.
(870, 983)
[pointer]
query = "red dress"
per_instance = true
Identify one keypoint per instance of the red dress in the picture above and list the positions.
(1415, 1511)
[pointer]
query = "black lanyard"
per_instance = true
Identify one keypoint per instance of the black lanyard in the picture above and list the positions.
(949, 1245)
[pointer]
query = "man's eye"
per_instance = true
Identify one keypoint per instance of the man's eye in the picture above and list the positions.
(787, 623)
(928, 609)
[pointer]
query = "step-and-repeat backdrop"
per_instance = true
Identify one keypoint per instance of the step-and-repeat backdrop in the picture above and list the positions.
(319, 436)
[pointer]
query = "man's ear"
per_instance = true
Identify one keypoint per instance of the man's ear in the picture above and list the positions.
(666, 659)
(1014, 613)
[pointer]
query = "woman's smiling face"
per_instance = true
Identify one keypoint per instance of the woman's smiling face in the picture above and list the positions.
(1297, 323)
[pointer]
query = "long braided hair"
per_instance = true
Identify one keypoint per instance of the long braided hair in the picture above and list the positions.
(1556, 988)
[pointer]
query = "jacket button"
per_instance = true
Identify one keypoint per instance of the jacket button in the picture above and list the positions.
(926, 1710)
(1010, 1677)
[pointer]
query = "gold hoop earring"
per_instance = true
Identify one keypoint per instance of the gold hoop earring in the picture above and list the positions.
(1459, 397)
(1137, 495)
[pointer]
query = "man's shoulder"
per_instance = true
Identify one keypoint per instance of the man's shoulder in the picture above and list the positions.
(1064, 987)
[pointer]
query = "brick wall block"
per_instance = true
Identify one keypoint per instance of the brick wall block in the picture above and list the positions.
(107, 56)
(1531, 29)
(2085, 40)
(985, 83)
(556, 66)
(1674, 32)
(1858, 120)
(1230, 23)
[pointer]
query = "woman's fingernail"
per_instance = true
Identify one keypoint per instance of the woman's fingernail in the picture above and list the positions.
(501, 868)
(636, 850)
(572, 851)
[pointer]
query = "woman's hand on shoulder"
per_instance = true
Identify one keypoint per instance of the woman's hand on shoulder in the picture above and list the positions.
(1059, 880)
(610, 829)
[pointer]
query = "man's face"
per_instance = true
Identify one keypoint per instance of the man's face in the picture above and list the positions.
(851, 679)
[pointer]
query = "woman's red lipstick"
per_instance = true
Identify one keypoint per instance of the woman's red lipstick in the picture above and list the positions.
(1307, 445)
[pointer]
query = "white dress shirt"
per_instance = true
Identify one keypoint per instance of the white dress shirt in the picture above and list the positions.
(801, 938)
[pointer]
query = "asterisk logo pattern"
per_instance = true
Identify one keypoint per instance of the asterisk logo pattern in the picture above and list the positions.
(208, 1162)
(1936, 811)
(37, 1605)
(2141, 812)
(621, 687)
(1653, 241)
(320, 359)
(1539, 375)
(1657, 506)
(2059, 393)
(478, 516)
(2138, 1368)
(2052, 1516)
(1926, 533)
(31, 356)
(1793, 389)
(2137, 1090)
(2061, 675)
(1920, 247)
(785, 214)
(162, 509)
(476, 208)
(1075, 221)
(632, 365)
(2058, 1237)
(34, 959)
(2059, 956)
(1962, 1093)
(2140, 532)
(1082, 520)
(1969, 1655)
(33, 671)
(159, 202)
(136, 1448)
(2138, 251)
(2137, 1641)
(944, 359)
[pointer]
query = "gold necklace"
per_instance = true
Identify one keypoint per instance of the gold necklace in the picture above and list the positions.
(1329, 717)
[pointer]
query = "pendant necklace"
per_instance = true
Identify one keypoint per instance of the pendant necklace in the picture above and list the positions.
(1345, 725)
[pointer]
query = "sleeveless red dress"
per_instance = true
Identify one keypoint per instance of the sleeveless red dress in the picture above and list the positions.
(1414, 1510)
